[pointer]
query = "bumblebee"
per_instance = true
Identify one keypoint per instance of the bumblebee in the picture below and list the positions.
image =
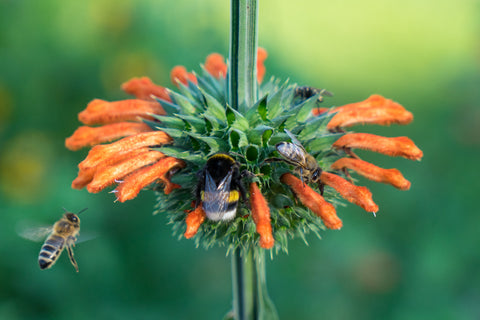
(305, 164)
(219, 188)
(305, 93)
(63, 235)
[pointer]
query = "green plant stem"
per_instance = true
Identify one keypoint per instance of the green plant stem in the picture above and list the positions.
(250, 297)
(242, 83)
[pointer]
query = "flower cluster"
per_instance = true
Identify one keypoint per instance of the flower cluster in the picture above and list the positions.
(164, 137)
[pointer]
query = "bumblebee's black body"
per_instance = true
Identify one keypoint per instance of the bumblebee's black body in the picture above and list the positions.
(305, 93)
(219, 187)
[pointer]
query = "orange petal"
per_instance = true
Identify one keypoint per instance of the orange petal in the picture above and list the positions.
(374, 110)
(103, 112)
(261, 216)
(179, 73)
(90, 136)
(313, 201)
(261, 57)
(143, 88)
(394, 147)
(123, 146)
(194, 220)
(108, 175)
(215, 65)
(360, 196)
(86, 174)
(136, 181)
(372, 172)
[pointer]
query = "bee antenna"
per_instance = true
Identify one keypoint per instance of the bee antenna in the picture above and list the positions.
(65, 210)
(82, 210)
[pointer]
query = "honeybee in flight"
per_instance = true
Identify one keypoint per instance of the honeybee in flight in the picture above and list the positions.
(305, 164)
(219, 187)
(63, 234)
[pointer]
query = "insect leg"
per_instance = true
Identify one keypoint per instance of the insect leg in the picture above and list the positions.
(70, 245)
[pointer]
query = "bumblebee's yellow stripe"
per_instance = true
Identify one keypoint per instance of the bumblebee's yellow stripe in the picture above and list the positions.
(233, 196)
(222, 156)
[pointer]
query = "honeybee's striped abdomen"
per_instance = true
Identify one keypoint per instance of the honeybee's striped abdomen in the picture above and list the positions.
(50, 251)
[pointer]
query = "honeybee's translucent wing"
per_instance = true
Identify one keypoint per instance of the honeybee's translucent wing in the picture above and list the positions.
(216, 197)
(36, 234)
(292, 153)
(295, 140)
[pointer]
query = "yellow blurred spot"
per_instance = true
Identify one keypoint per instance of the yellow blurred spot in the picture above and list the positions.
(113, 16)
(23, 166)
(6, 106)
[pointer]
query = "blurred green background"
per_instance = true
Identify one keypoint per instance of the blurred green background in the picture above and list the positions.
(418, 259)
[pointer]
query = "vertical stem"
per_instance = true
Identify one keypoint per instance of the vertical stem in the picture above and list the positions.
(244, 281)
(242, 81)
(250, 297)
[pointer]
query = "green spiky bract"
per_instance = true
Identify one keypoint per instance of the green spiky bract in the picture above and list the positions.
(201, 123)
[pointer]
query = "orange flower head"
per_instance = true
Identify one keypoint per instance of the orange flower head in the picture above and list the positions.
(162, 140)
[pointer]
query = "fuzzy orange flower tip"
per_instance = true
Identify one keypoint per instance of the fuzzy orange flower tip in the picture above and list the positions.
(86, 173)
(394, 147)
(360, 196)
(131, 185)
(372, 172)
(143, 88)
(108, 175)
(194, 220)
(90, 136)
(180, 74)
(374, 110)
(216, 66)
(104, 112)
(101, 153)
(261, 216)
(313, 201)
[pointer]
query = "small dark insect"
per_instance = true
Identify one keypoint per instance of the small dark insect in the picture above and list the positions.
(305, 164)
(219, 187)
(305, 93)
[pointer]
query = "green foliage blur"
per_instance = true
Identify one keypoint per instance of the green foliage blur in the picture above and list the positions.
(418, 259)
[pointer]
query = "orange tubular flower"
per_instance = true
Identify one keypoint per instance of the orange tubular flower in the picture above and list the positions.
(394, 147)
(86, 174)
(216, 66)
(372, 172)
(104, 112)
(180, 74)
(107, 176)
(143, 88)
(194, 220)
(313, 201)
(261, 57)
(90, 136)
(136, 181)
(374, 110)
(121, 147)
(261, 216)
(360, 196)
